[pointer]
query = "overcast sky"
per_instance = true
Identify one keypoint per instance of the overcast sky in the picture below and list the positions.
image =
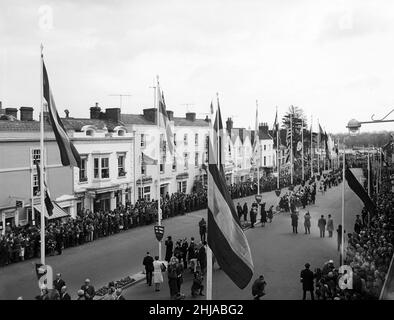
(334, 59)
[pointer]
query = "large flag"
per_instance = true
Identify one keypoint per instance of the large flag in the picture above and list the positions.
(219, 137)
(359, 191)
(68, 154)
(225, 235)
(275, 129)
(328, 154)
(147, 160)
(165, 123)
(47, 200)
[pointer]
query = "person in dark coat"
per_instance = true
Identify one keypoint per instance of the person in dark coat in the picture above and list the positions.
(263, 214)
(169, 247)
(322, 226)
(358, 224)
(258, 288)
(64, 294)
(148, 263)
(294, 222)
(239, 211)
(88, 290)
(58, 283)
(307, 278)
(202, 257)
(245, 211)
(203, 229)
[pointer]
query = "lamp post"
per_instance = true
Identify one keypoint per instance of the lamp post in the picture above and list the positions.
(355, 125)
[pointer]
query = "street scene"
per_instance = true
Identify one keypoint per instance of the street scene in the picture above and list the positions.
(192, 159)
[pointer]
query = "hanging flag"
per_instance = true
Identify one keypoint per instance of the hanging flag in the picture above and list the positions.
(219, 137)
(275, 129)
(165, 122)
(359, 191)
(321, 134)
(225, 235)
(68, 153)
(328, 155)
(256, 141)
(147, 160)
(47, 200)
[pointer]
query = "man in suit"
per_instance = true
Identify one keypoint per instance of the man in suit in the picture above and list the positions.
(169, 247)
(307, 278)
(64, 294)
(59, 283)
(148, 263)
(239, 211)
(88, 290)
(203, 229)
(322, 226)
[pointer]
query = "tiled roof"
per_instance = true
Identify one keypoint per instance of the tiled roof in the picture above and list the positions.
(77, 124)
(183, 122)
(264, 136)
(135, 119)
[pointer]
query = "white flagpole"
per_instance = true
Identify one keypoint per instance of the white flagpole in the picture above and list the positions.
(343, 207)
(277, 152)
(291, 148)
(258, 151)
(158, 159)
(318, 148)
(42, 155)
(311, 148)
(302, 154)
(369, 185)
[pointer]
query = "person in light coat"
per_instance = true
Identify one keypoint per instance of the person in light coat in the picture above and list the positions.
(330, 225)
(158, 268)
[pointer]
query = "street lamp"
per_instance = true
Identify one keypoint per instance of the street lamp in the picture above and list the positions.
(355, 125)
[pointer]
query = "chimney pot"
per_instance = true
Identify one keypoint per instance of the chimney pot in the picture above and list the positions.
(11, 112)
(112, 114)
(67, 112)
(95, 112)
(26, 113)
(191, 116)
(150, 114)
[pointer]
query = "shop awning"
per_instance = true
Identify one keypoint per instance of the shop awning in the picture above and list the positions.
(58, 212)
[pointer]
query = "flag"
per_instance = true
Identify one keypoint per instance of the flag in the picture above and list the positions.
(219, 137)
(147, 160)
(165, 123)
(328, 156)
(275, 129)
(47, 200)
(225, 235)
(68, 154)
(321, 134)
(359, 191)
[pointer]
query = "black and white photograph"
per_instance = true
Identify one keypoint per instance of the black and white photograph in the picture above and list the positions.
(188, 153)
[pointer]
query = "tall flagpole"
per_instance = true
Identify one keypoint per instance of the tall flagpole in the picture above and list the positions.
(369, 184)
(158, 159)
(318, 149)
(302, 154)
(258, 150)
(277, 152)
(343, 207)
(311, 147)
(291, 148)
(42, 155)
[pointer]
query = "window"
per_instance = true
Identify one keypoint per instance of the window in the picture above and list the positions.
(121, 165)
(206, 156)
(121, 133)
(162, 163)
(89, 132)
(36, 187)
(206, 142)
(82, 171)
(143, 140)
(104, 168)
(182, 186)
(196, 139)
(186, 161)
(35, 156)
(174, 164)
(144, 193)
(174, 139)
(143, 169)
(96, 168)
(265, 147)
(264, 160)
(185, 139)
(196, 159)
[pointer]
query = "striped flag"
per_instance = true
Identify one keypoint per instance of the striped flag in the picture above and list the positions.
(47, 200)
(68, 154)
(165, 123)
(219, 136)
(225, 235)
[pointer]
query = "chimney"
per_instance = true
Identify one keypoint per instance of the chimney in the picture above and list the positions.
(150, 114)
(263, 129)
(242, 134)
(191, 116)
(229, 125)
(67, 112)
(170, 115)
(26, 113)
(11, 112)
(112, 114)
(1, 108)
(206, 118)
(95, 112)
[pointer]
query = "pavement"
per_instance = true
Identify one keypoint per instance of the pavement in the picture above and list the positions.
(277, 253)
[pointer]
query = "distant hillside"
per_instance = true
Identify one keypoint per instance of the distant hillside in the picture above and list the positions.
(364, 139)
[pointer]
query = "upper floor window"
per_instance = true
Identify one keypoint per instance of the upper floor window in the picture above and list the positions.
(196, 139)
(174, 139)
(174, 164)
(82, 170)
(89, 132)
(36, 187)
(35, 156)
(101, 168)
(196, 155)
(143, 140)
(206, 142)
(186, 161)
(185, 139)
(265, 147)
(121, 165)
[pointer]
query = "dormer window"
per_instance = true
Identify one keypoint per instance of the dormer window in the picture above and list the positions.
(90, 132)
(121, 133)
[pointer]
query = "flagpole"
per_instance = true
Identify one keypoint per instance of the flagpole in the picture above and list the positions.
(369, 185)
(318, 149)
(42, 191)
(158, 160)
(311, 147)
(258, 151)
(277, 152)
(302, 154)
(343, 208)
(291, 148)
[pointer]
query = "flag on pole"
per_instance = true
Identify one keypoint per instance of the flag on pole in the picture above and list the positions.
(275, 129)
(165, 122)
(147, 160)
(68, 153)
(225, 235)
(256, 138)
(219, 136)
(47, 200)
(328, 155)
(359, 191)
